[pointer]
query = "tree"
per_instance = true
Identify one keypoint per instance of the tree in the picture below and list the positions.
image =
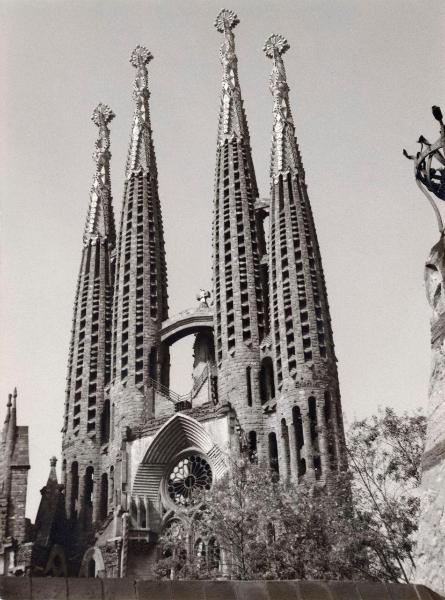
(254, 527)
(360, 525)
(385, 453)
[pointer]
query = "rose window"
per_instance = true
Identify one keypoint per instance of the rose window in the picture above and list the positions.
(190, 475)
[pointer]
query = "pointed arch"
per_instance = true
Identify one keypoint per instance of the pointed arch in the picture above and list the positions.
(179, 434)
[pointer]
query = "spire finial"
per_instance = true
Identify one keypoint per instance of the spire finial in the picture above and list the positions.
(102, 115)
(140, 57)
(52, 478)
(101, 189)
(275, 45)
(141, 152)
(9, 404)
(284, 149)
(226, 20)
(232, 119)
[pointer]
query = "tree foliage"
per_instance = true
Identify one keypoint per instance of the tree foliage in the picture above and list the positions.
(361, 525)
(385, 453)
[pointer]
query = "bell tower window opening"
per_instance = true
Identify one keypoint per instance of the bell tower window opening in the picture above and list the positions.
(249, 385)
(103, 496)
(253, 454)
(267, 384)
(74, 489)
(105, 422)
(273, 453)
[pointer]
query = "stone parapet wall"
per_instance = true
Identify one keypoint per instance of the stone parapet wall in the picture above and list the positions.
(21, 588)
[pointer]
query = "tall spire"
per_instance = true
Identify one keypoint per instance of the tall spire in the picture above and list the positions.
(140, 300)
(141, 154)
(302, 342)
(232, 118)
(89, 362)
(285, 154)
(238, 242)
(100, 219)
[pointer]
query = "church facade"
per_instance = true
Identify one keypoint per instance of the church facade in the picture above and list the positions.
(265, 382)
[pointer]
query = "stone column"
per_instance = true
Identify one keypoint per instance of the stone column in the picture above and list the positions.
(322, 437)
(307, 448)
(293, 451)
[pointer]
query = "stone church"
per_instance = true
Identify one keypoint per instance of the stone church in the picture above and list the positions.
(265, 383)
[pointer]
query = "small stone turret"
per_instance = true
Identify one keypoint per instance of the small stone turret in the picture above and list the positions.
(14, 466)
(51, 533)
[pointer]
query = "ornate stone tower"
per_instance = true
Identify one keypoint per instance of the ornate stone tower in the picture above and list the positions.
(238, 246)
(141, 280)
(309, 419)
(89, 364)
(14, 466)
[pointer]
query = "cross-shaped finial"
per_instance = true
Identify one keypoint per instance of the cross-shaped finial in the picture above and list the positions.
(226, 19)
(102, 114)
(203, 297)
(275, 44)
(140, 56)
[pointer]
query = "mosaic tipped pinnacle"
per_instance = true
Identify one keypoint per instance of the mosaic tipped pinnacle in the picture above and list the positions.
(226, 19)
(102, 114)
(275, 44)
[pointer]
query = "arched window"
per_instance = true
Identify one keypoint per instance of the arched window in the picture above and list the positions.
(103, 496)
(88, 496)
(152, 360)
(253, 454)
(273, 453)
(213, 554)
(285, 437)
(91, 568)
(313, 421)
(64, 472)
(299, 439)
(105, 423)
(267, 384)
(200, 552)
(74, 489)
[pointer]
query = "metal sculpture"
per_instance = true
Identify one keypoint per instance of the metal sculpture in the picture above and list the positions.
(429, 167)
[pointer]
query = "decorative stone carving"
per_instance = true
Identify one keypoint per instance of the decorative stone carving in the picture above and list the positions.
(284, 155)
(232, 121)
(141, 153)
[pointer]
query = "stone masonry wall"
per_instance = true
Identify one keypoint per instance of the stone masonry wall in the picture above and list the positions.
(431, 537)
(25, 588)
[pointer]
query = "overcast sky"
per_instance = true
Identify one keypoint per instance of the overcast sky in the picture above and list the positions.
(363, 76)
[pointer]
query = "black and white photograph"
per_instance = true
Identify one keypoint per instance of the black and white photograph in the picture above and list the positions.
(222, 300)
